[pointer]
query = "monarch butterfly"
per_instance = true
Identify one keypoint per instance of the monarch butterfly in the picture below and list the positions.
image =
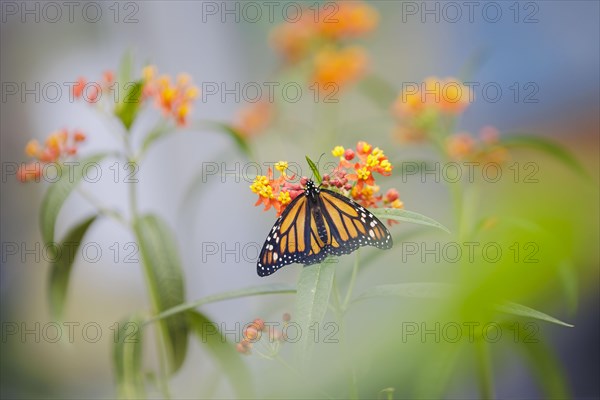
(317, 224)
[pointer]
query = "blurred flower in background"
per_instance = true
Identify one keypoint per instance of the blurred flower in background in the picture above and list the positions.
(58, 147)
(323, 38)
(254, 118)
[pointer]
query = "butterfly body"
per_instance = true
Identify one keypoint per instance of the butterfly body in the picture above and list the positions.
(318, 224)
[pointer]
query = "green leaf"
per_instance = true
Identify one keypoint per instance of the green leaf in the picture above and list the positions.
(237, 136)
(312, 300)
(371, 254)
(420, 290)
(224, 352)
(546, 367)
(274, 288)
(125, 71)
(546, 146)
(398, 214)
(127, 359)
(441, 364)
(568, 275)
(379, 91)
(435, 290)
(58, 192)
(314, 169)
(165, 282)
(61, 265)
(508, 307)
(159, 132)
(129, 105)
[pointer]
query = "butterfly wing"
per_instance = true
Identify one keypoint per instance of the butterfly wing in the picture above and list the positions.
(286, 242)
(350, 226)
(295, 236)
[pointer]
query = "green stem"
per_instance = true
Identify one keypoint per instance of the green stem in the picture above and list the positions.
(90, 198)
(160, 328)
(352, 281)
(485, 370)
(339, 311)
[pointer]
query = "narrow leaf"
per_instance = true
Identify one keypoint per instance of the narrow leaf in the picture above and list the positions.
(165, 281)
(569, 283)
(546, 367)
(159, 132)
(508, 307)
(61, 265)
(224, 352)
(129, 105)
(127, 359)
(125, 71)
(312, 300)
(546, 146)
(434, 290)
(398, 214)
(237, 136)
(58, 192)
(274, 288)
(314, 169)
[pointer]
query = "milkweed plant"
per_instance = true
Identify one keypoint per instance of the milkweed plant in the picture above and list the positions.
(367, 165)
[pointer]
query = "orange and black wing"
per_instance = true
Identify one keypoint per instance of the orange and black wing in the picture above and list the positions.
(286, 242)
(348, 225)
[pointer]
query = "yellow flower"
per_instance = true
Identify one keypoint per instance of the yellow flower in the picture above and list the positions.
(363, 173)
(363, 147)
(386, 165)
(284, 197)
(377, 152)
(181, 112)
(267, 191)
(168, 94)
(397, 204)
(183, 79)
(53, 142)
(32, 148)
(149, 72)
(192, 92)
(372, 160)
(338, 151)
(281, 166)
(259, 183)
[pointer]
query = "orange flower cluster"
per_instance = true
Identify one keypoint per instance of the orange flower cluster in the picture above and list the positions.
(175, 100)
(486, 148)
(337, 68)
(253, 333)
(254, 118)
(347, 19)
(279, 192)
(446, 96)
(355, 175)
(321, 35)
(92, 91)
(419, 107)
(58, 146)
